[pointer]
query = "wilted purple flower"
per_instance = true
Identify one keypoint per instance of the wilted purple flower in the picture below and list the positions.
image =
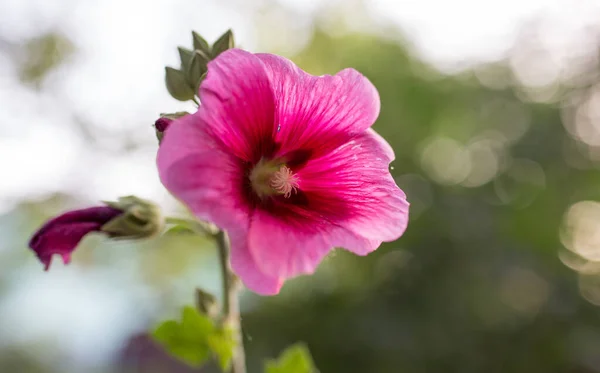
(62, 234)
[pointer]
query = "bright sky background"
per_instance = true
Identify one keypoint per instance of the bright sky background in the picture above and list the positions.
(116, 80)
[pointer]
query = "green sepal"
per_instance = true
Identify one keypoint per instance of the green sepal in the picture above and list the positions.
(174, 116)
(200, 43)
(177, 84)
(223, 43)
(140, 218)
(185, 56)
(207, 303)
(197, 69)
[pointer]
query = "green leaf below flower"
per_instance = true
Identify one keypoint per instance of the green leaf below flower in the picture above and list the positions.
(295, 359)
(195, 339)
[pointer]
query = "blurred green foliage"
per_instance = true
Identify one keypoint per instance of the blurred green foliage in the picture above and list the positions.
(39, 56)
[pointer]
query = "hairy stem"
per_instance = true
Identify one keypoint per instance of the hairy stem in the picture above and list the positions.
(231, 306)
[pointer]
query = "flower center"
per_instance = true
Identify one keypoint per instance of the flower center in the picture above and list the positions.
(273, 178)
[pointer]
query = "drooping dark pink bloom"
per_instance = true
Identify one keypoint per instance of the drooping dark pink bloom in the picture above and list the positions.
(286, 163)
(62, 234)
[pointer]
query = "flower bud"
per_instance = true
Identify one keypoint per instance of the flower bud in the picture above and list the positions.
(165, 121)
(160, 126)
(62, 234)
(140, 219)
(162, 123)
(130, 217)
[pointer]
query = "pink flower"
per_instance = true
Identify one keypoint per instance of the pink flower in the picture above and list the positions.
(286, 163)
(62, 234)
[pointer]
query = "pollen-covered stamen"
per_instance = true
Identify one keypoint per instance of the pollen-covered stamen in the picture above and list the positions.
(270, 177)
(284, 181)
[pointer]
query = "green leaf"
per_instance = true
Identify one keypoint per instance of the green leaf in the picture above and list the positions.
(177, 84)
(222, 344)
(166, 332)
(295, 359)
(188, 347)
(196, 339)
(197, 323)
(200, 43)
(223, 43)
(195, 356)
(185, 55)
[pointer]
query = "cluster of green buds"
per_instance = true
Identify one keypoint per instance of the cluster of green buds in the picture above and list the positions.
(183, 83)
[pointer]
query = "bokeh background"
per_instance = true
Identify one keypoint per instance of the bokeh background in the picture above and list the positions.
(492, 107)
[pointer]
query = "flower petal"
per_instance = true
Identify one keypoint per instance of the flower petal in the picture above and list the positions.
(355, 182)
(62, 234)
(245, 267)
(319, 113)
(286, 248)
(348, 199)
(283, 248)
(61, 239)
(199, 173)
(238, 105)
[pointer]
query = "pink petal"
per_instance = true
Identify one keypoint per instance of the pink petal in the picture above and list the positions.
(245, 267)
(319, 113)
(199, 173)
(285, 249)
(238, 106)
(348, 199)
(61, 239)
(354, 180)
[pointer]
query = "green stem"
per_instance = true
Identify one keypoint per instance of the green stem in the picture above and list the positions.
(231, 306)
(194, 225)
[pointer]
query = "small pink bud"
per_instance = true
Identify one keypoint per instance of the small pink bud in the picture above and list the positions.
(162, 123)
(165, 121)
